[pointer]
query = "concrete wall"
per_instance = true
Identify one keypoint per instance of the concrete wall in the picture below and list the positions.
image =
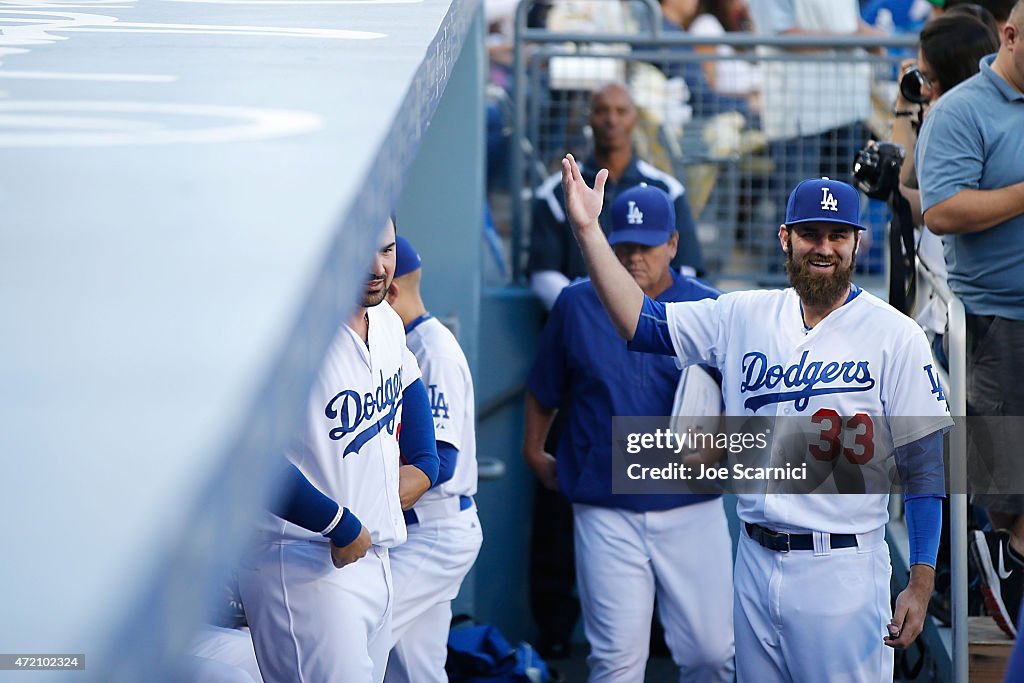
(442, 205)
(510, 325)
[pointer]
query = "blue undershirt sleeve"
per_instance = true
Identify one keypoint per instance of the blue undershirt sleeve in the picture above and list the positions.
(448, 456)
(303, 504)
(920, 466)
(924, 526)
(651, 334)
(416, 439)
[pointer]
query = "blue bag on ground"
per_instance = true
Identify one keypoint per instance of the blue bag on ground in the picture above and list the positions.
(481, 654)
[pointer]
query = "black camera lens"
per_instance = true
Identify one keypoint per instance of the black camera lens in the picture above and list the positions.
(876, 168)
(912, 85)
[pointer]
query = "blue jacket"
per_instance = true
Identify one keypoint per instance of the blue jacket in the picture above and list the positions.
(584, 369)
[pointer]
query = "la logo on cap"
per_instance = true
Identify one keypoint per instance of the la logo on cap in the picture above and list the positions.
(828, 201)
(634, 215)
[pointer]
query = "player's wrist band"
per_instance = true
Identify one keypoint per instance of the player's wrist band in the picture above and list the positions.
(334, 522)
(898, 113)
(346, 530)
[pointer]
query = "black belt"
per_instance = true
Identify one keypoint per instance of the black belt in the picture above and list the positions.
(782, 542)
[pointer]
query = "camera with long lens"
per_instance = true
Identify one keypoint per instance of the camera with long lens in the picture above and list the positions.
(912, 85)
(876, 168)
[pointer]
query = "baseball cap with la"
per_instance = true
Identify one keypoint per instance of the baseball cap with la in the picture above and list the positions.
(821, 200)
(642, 215)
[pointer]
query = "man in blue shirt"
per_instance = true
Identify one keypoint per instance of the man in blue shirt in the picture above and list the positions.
(969, 160)
(630, 548)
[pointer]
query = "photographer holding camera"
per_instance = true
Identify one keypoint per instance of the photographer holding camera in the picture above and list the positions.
(949, 52)
(950, 49)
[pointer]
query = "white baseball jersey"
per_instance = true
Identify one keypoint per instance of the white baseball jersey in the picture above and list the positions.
(443, 545)
(450, 389)
(864, 359)
(348, 447)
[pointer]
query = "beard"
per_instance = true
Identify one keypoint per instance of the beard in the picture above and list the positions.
(371, 299)
(814, 290)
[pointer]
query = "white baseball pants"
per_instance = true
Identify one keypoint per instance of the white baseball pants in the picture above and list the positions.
(428, 571)
(806, 618)
(682, 557)
(311, 622)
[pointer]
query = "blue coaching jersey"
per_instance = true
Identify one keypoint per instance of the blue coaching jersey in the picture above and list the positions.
(584, 368)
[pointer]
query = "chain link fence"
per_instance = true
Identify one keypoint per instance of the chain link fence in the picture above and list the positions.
(738, 119)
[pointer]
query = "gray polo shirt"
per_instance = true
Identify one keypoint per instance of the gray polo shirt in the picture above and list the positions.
(973, 138)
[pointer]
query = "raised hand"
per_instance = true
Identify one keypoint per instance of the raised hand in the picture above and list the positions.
(582, 203)
(619, 293)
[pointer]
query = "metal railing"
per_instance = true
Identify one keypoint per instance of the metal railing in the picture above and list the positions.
(956, 394)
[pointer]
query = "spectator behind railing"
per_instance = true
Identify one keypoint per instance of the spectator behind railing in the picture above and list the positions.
(736, 77)
(950, 48)
(678, 16)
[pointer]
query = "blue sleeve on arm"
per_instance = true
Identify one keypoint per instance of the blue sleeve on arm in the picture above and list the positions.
(922, 473)
(416, 440)
(303, 504)
(651, 334)
(924, 526)
(448, 455)
(920, 466)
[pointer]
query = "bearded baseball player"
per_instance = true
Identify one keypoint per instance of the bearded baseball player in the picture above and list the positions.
(444, 530)
(812, 571)
(318, 596)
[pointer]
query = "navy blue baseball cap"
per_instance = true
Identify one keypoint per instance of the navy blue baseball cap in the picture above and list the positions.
(406, 258)
(642, 215)
(821, 200)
